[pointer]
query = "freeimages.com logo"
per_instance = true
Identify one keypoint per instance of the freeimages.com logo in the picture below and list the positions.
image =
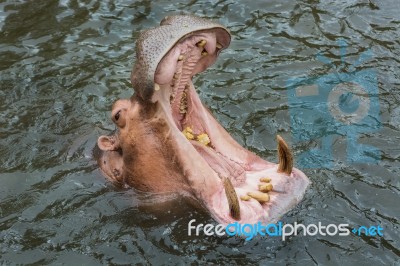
(340, 103)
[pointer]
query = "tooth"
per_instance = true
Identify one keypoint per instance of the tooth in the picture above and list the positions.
(203, 139)
(176, 75)
(204, 53)
(259, 196)
(156, 87)
(265, 187)
(189, 129)
(285, 157)
(201, 43)
(245, 197)
(219, 46)
(265, 179)
(180, 58)
(233, 202)
(188, 133)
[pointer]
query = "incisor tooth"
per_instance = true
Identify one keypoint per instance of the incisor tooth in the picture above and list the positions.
(204, 53)
(265, 179)
(265, 187)
(180, 58)
(259, 196)
(156, 87)
(201, 43)
(245, 197)
(219, 46)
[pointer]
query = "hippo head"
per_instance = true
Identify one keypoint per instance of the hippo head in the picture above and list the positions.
(167, 141)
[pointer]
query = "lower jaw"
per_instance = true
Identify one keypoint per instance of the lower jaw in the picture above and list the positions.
(204, 167)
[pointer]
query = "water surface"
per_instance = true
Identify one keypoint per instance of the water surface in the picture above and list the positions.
(63, 64)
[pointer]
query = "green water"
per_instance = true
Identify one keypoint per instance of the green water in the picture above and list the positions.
(63, 64)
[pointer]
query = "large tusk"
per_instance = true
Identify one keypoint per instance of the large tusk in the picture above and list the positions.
(285, 157)
(233, 202)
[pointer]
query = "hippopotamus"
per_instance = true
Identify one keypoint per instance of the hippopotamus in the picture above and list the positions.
(166, 140)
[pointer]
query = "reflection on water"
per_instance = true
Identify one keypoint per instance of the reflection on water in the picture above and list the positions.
(63, 64)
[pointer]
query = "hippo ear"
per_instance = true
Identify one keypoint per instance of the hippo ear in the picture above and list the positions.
(108, 143)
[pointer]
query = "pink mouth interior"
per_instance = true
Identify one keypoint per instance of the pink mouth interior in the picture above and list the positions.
(177, 74)
(223, 154)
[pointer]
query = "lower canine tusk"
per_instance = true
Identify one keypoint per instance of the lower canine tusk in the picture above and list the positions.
(285, 157)
(233, 202)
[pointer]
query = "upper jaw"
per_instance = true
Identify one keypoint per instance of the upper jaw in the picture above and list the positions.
(154, 45)
(189, 55)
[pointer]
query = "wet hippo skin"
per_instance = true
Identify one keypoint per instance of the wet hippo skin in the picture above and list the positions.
(167, 141)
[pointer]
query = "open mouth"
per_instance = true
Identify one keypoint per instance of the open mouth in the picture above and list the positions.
(251, 188)
(187, 58)
(165, 126)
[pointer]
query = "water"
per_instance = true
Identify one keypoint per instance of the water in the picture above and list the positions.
(63, 64)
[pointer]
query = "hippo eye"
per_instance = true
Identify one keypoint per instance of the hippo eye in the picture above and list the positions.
(116, 116)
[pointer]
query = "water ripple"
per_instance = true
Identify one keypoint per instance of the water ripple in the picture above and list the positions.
(65, 62)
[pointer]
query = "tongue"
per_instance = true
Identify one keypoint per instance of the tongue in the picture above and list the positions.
(221, 164)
